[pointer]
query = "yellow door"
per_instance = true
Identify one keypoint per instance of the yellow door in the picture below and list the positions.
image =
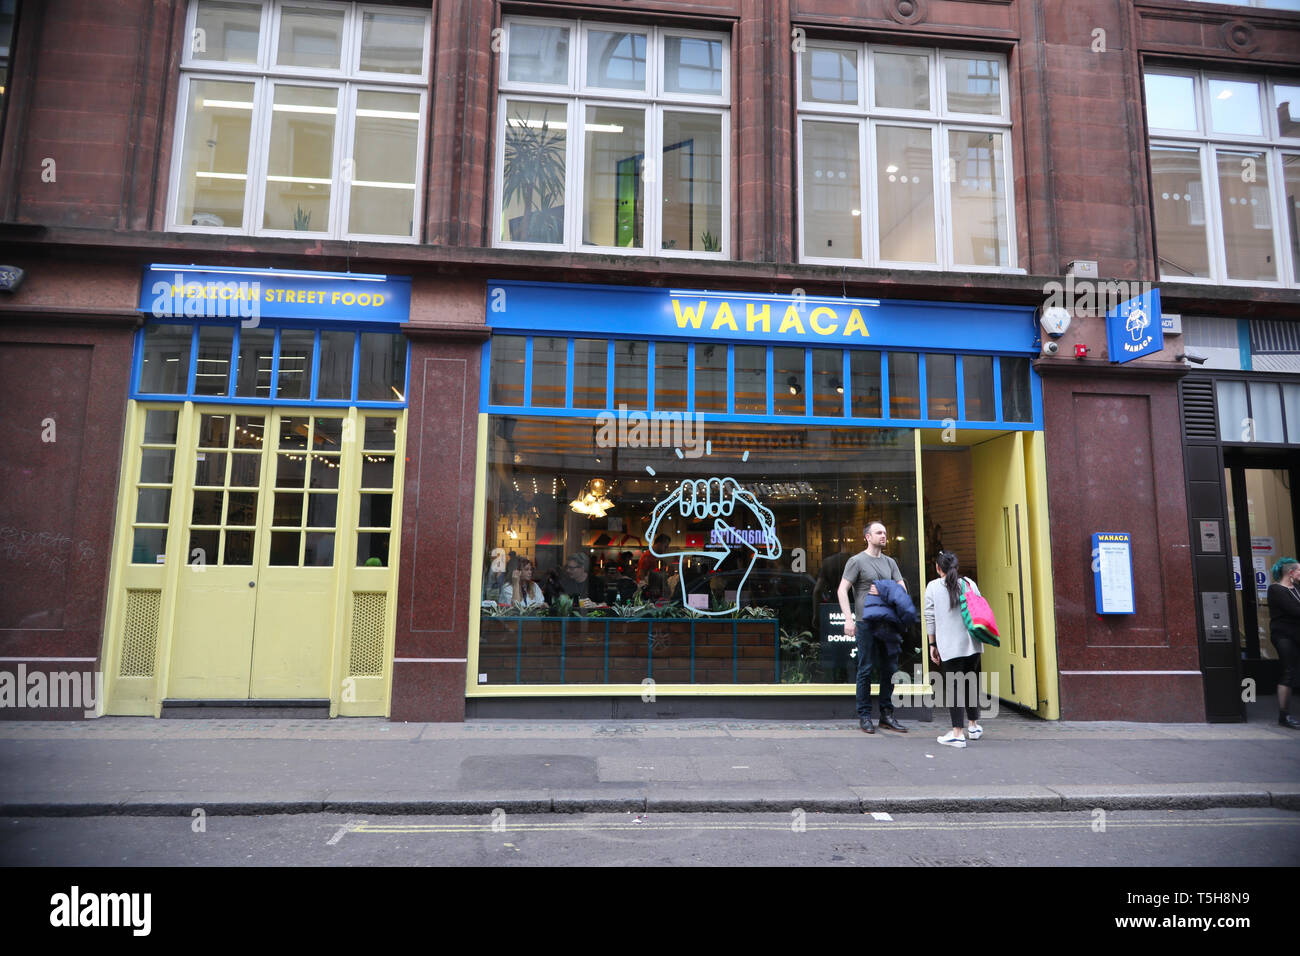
(1003, 547)
(297, 580)
(221, 480)
(256, 601)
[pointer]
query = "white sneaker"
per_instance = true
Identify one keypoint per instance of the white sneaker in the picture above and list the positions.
(974, 733)
(952, 740)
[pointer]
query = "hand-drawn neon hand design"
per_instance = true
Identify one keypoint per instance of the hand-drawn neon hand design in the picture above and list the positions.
(716, 498)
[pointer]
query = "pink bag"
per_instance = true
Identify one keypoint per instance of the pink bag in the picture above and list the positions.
(978, 617)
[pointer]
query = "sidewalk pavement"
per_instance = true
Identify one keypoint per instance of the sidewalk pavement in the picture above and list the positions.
(142, 766)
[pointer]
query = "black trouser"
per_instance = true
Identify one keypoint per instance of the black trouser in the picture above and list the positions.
(964, 690)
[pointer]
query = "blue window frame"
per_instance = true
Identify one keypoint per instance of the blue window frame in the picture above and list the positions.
(380, 364)
(1000, 392)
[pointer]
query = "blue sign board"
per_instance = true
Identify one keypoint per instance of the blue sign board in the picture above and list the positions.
(1134, 328)
(794, 319)
(214, 292)
(1112, 572)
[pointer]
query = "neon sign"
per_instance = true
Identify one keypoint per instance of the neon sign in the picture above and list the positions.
(717, 498)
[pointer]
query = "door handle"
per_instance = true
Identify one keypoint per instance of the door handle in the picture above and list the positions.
(252, 584)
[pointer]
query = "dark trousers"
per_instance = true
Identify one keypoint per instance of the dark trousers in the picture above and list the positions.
(878, 646)
(961, 682)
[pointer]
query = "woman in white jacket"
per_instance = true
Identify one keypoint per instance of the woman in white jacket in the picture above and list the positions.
(953, 648)
(521, 589)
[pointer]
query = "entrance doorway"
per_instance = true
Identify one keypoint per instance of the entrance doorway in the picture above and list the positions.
(255, 557)
(983, 498)
(1262, 510)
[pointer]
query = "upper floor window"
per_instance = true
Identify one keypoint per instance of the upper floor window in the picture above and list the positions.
(613, 138)
(300, 119)
(1225, 176)
(904, 158)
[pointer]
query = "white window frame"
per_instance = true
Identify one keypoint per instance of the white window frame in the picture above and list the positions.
(1208, 145)
(940, 120)
(264, 76)
(653, 100)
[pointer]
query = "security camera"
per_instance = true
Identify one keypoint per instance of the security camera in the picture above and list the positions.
(1191, 355)
(1051, 347)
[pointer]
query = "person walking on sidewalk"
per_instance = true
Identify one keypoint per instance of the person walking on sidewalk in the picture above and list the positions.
(878, 639)
(1284, 621)
(953, 648)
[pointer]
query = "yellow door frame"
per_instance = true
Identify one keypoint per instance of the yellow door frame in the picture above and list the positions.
(140, 621)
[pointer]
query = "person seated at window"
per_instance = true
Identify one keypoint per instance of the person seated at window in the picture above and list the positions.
(578, 581)
(649, 562)
(522, 589)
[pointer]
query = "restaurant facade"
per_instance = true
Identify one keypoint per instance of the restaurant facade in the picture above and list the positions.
(341, 312)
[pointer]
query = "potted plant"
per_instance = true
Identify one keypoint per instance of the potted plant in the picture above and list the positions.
(534, 176)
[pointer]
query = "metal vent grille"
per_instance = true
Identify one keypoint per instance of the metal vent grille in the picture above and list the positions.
(1198, 410)
(140, 633)
(367, 653)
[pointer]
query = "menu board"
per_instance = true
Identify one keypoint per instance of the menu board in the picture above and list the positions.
(1112, 572)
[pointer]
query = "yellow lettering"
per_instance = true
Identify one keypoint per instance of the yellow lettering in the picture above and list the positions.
(718, 318)
(765, 317)
(791, 320)
(856, 324)
(689, 316)
(817, 327)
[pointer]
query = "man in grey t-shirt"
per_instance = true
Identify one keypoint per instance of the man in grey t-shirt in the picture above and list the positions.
(861, 573)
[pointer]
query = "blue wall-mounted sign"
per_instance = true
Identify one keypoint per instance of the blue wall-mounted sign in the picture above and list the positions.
(796, 320)
(215, 292)
(1112, 572)
(1134, 328)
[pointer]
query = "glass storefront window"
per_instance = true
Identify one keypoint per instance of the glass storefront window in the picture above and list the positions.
(550, 360)
(590, 368)
(1266, 411)
(865, 370)
(904, 385)
(212, 373)
(682, 617)
(670, 375)
(751, 380)
(941, 386)
(507, 369)
(1291, 402)
(253, 373)
(710, 378)
(335, 365)
(630, 374)
(828, 383)
(1017, 399)
(383, 368)
(1234, 413)
(165, 367)
(977, 378)
(788, 393)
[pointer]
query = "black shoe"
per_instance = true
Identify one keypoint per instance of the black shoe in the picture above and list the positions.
(887, 721)
(1286, 720)
(865, 725)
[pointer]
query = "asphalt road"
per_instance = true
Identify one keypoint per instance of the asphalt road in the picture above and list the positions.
(1219, 838)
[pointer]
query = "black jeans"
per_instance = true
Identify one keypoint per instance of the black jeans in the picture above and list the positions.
(878, 645)
(961, 684)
